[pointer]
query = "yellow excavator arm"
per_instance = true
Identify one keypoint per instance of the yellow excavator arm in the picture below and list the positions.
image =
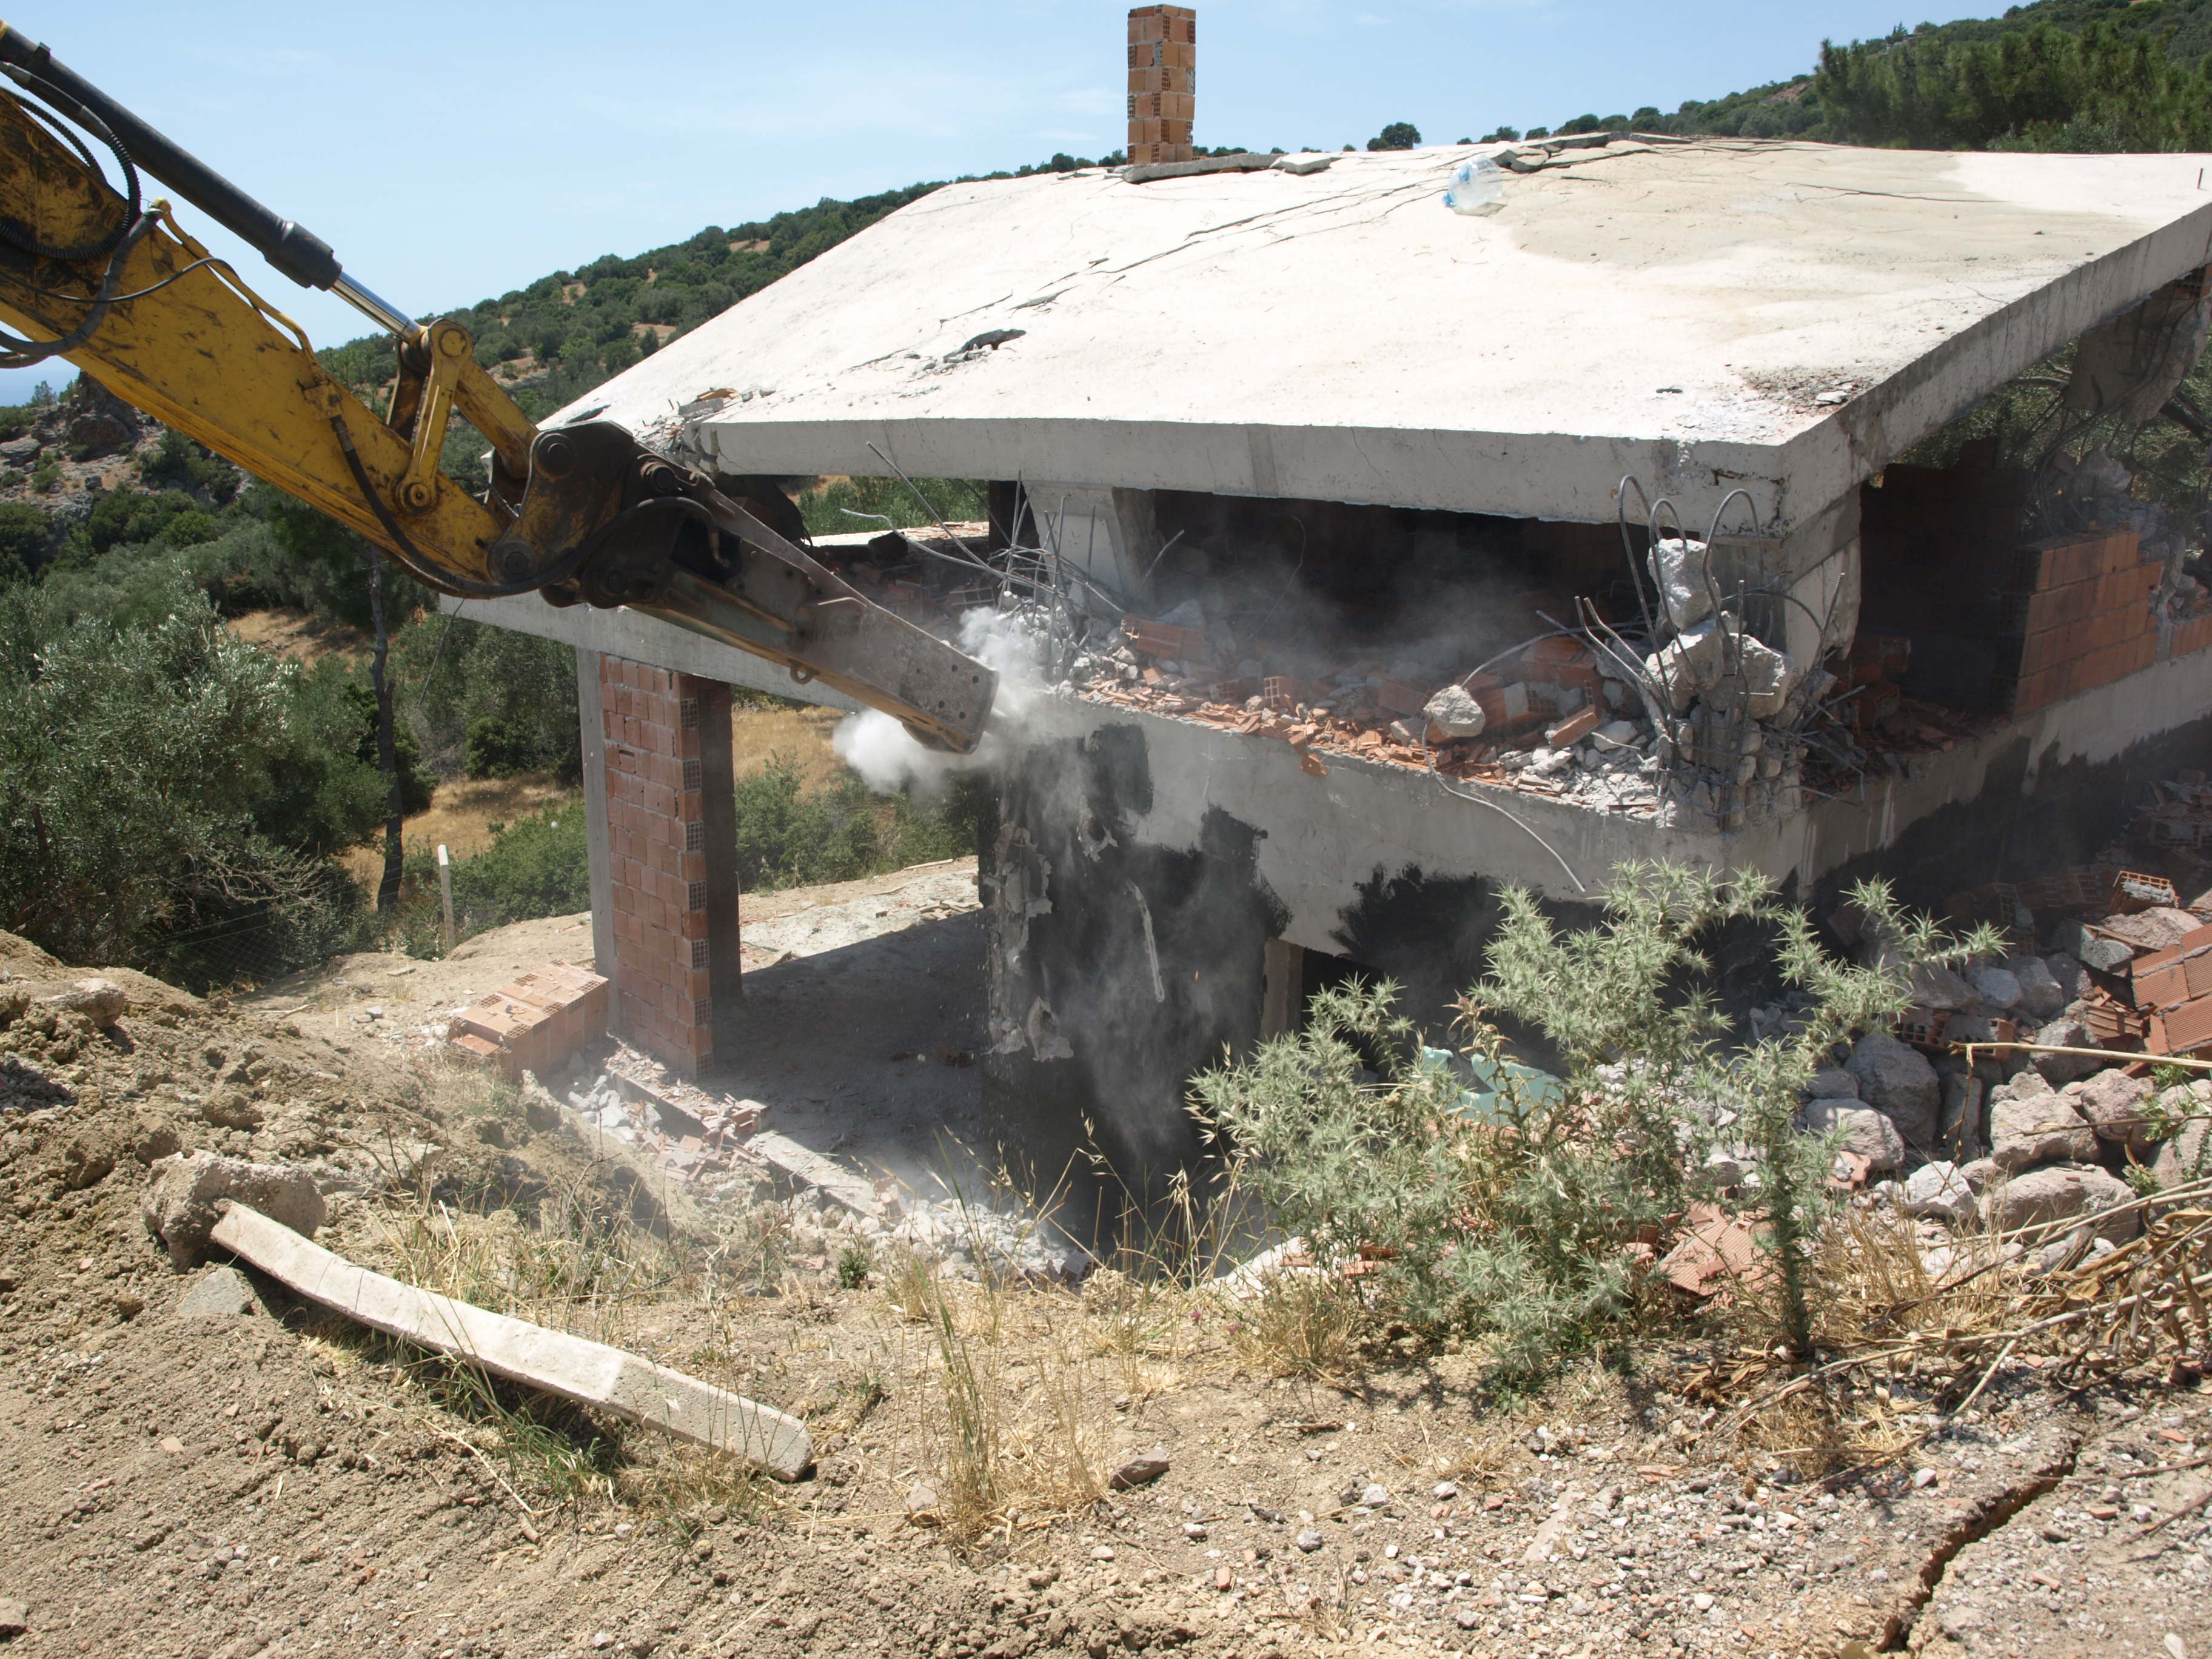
(579, 513)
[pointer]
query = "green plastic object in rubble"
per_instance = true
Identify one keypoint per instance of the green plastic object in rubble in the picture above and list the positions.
(1479, 1096)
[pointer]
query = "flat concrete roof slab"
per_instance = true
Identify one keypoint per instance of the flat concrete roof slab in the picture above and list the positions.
(1677, 312)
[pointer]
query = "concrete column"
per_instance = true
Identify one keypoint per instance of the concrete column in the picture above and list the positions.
(1111, 534)
(592, 735)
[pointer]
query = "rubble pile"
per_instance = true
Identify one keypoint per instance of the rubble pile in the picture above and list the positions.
(694, 1135)
(2012, 1136)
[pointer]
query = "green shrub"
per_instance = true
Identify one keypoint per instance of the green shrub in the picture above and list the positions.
(27, 538)
(501, 748)
(1506, 1216)
(144, 769)
(535, 866)
(825, 509)
(790, 836)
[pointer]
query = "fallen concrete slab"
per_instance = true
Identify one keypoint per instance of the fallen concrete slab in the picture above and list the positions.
(589, 1373)
(811, 1169)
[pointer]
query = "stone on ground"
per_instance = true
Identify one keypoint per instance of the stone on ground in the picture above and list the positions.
(1899, 1082)
(1871, 1135)
(187, 1194)
(2112, 1104)
(2041, 996)
(2066, 1068)
(1833, 1083)
(1938, 1192)
(1998, 987)
(2058, 1193)
(221, 1292)
(2031, 1123)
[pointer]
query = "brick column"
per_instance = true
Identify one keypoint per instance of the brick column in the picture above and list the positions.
(1162, 83)
(670, 833)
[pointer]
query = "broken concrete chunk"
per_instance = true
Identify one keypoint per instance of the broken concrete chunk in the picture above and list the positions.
(1688, 664)
(15, 1619)
(189, 1192)
(1865, 1132)
(102, 1001)
(2112, 1104)
(1898, 1081)
(1680, 570)
(575, 1368)
(1769, 677)
(2058, 1193)
(2040, 1128)
(1938, 1192)
(221, 1292)
(1455, 713)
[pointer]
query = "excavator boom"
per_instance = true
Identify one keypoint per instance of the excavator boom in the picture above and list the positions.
(579, 514)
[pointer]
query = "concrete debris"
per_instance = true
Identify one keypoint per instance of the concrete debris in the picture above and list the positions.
(15, 1619)
(590, 1373)
(1455, 714)
(188, 1193)
(970, 1239)
(1681, 570)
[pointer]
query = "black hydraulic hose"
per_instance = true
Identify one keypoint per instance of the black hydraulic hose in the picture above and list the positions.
(292, 249)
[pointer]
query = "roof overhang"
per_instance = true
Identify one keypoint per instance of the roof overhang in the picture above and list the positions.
(1781, 317)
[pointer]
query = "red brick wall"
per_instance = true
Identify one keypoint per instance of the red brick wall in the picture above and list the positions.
(658, 848)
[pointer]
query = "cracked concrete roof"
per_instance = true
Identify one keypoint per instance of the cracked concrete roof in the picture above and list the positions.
(1783, 316)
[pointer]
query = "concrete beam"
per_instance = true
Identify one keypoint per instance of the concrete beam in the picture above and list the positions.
(638, 638)
(590, 1373)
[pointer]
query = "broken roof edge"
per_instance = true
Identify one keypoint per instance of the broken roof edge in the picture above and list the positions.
(1967, 369)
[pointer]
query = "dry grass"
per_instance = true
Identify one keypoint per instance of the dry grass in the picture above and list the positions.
(298, 635)
(460, 816)
(803, 735)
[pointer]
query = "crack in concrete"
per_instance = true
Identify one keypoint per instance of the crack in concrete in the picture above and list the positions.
(1986, 1515)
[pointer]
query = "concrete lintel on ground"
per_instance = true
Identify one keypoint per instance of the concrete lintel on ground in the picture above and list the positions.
(635, 637)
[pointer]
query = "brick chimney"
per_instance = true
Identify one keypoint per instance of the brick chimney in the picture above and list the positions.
(1163, 82)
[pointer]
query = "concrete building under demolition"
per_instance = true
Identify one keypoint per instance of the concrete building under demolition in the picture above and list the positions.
(1372, 550)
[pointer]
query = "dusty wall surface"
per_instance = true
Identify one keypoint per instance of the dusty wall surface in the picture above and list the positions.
(1140, 865)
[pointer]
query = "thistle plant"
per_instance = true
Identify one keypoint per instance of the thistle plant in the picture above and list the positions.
(1501, 1205)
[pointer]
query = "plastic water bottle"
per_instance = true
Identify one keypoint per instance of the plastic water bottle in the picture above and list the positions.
(1475, 185)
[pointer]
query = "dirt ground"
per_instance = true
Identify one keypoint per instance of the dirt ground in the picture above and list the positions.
(275, 1482)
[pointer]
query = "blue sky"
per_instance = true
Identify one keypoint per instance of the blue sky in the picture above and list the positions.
(452, 151)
